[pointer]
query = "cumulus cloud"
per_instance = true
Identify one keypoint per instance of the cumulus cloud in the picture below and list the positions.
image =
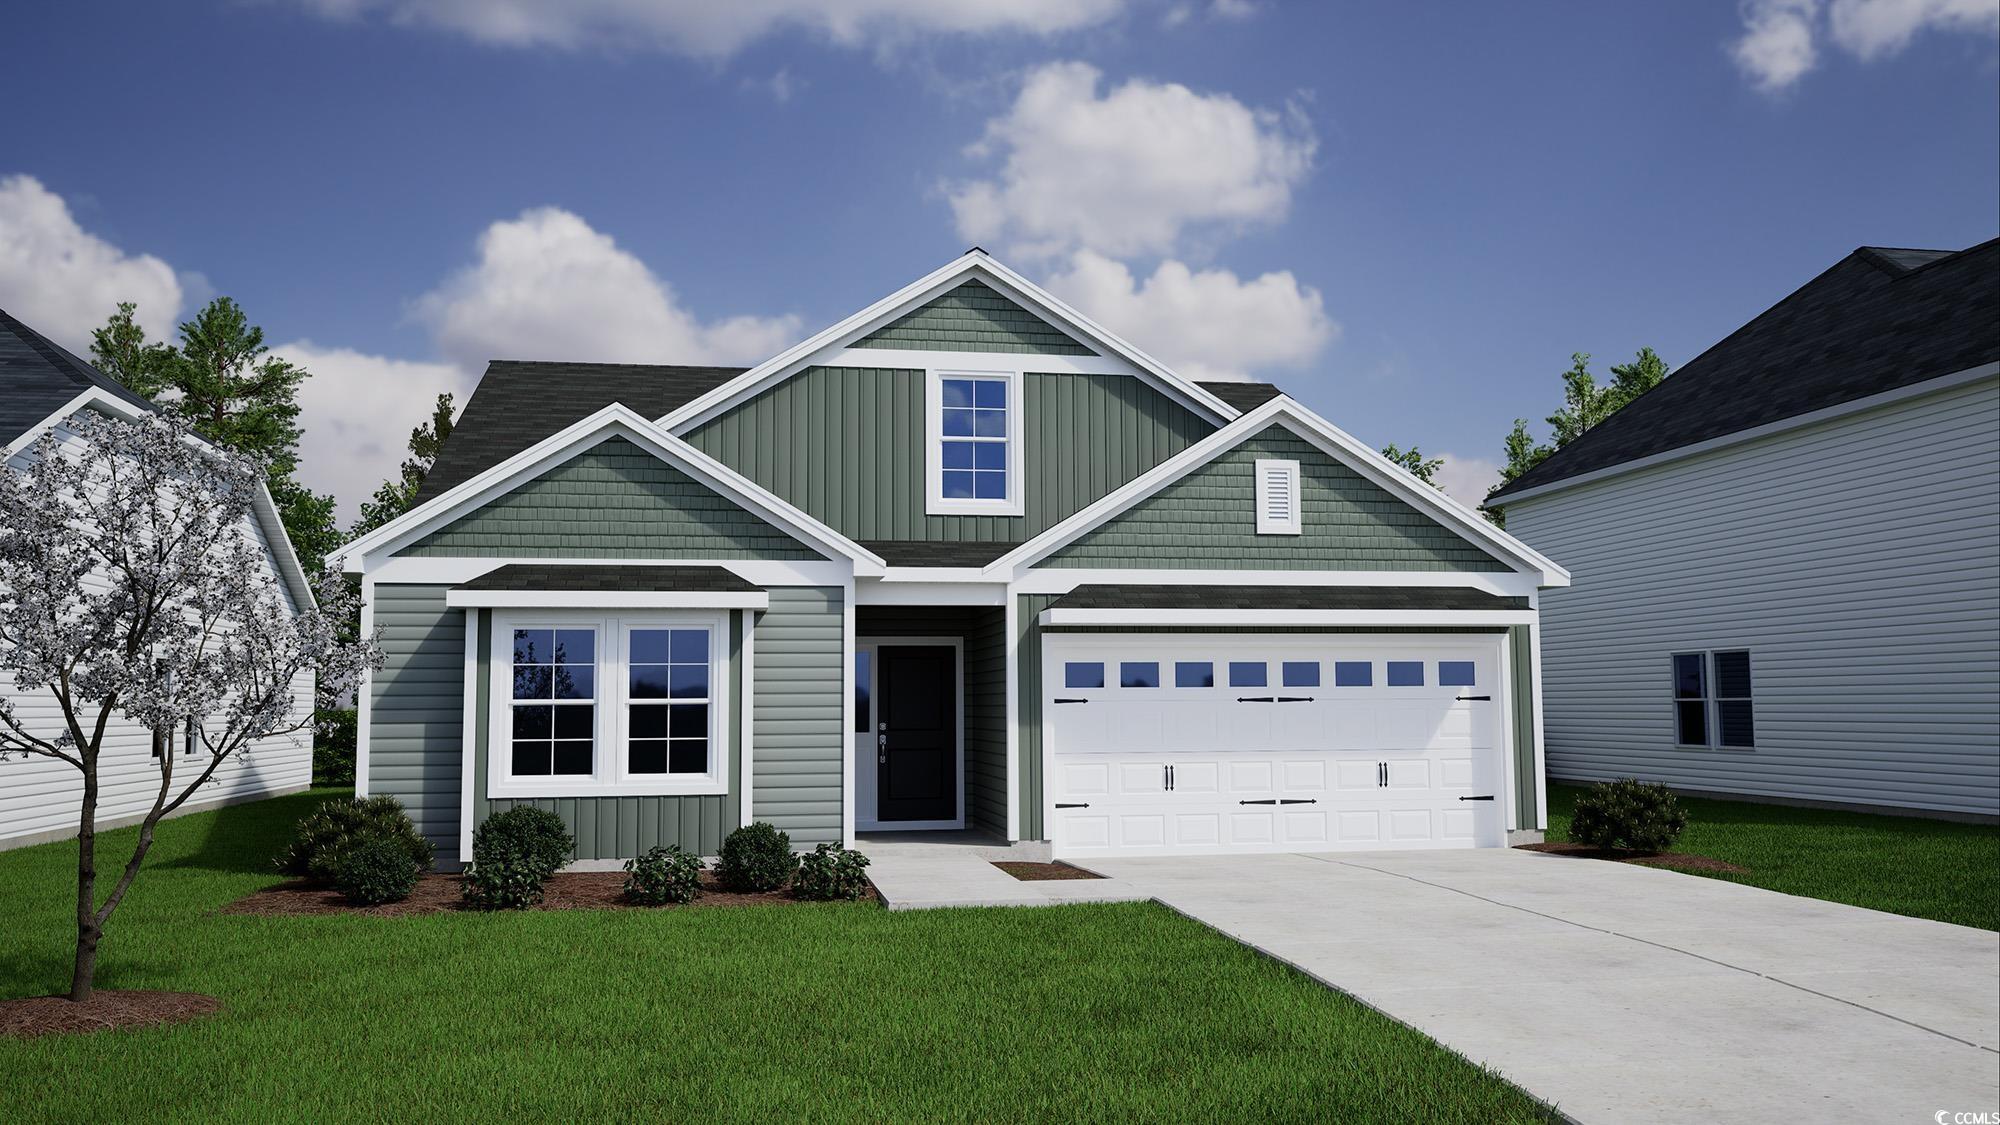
(64, 281)
(1206, 324)
(356, 413)
(1468, 479)
(1129, 171)
(1781, 38)
(719, 29)
(547, 285)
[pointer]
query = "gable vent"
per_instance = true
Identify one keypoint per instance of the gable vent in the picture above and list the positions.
(1277, 497)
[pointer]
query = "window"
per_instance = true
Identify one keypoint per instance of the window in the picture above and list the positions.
(1277, 497)
(554, 703)
(1300, 673)
(1735, 725)
(667, 698)
(1455, 673)
(1194, 673)
(864, 661)
(1712, 700)
(1691, 699)
(1406, 673)
(1353, 673)
(974, 460)
(1247, 673)
(1139, 673)
(1083, 674)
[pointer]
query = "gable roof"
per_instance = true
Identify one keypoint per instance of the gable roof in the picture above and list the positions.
(39, 377)
(1244, 397)
(1879, 320)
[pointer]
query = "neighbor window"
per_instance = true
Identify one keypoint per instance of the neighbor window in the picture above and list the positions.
(1194, 673)
(973, 461)
(1712, 700)
(1691, 698)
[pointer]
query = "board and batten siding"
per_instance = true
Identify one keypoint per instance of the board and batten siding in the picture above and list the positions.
(847, 444)
(417, 708)
(982, 630)
(1208, 518)
(1858, 560)
(798, 719)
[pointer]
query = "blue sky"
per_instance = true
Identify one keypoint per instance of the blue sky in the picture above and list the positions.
(1408, 215)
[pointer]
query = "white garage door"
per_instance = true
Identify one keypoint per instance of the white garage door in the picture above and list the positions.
(1186, 744)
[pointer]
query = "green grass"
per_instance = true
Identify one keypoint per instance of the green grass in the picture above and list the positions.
(846, 1011)
(1904, 865)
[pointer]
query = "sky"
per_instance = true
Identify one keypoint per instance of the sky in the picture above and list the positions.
(1407, 215)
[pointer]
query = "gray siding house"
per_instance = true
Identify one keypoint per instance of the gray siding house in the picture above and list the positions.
(1787, 555)
(962, 560)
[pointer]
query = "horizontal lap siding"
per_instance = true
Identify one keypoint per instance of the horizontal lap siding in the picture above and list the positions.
(417, 708)
(1858, 561)
(798, 720)
(983, 630)
(1208, 518)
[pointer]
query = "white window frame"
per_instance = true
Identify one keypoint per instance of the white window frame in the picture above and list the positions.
(1712, 699)
(609, 776)
(935, 501)
(1268, 524)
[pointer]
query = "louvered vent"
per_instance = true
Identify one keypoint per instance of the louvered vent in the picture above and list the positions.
(1277, 497)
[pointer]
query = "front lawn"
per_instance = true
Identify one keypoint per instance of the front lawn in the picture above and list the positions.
(830, 1012)
(1904, 865)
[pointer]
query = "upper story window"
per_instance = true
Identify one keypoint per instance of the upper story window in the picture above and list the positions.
(973, 464)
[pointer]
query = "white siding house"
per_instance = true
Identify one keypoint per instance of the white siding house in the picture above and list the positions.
(41, 387)
(1850, 549)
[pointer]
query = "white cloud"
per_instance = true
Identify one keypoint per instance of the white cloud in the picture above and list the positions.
(63, 281)
(1207, 324)
(548, 286)
(1468, 479)
(1781, 38)
(719, 28)
(1130, 171)
(356, 413)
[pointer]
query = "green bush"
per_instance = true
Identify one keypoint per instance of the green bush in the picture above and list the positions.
(663, 875)
(831, 872)
(1627, 814)
(756, 857)
(372, 869)
(333, 746)
(513, 854)
(325, 830)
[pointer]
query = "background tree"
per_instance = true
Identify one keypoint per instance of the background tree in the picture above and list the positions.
(397, 494)
(1585, 404)
(225, 384)
(1420, 467)
(181, 630)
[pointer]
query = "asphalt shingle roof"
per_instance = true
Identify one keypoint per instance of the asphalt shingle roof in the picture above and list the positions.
(1243, 396)
(1879, 319)
(1283, 597)
(925, 552)
(39, 376)
(539, 577)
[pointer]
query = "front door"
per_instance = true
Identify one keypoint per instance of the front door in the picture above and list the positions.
(916, 756)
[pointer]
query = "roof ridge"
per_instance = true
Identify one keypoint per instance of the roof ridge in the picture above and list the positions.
(606, 363)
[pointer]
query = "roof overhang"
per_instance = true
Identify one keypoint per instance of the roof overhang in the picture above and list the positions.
(605, 599)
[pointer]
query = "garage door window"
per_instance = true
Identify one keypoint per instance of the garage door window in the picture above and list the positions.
(1194, 673)
(1139, 673)
(1353, 673)
(1248, 674)
(1455, 673)
(1301, 673)
(1406, 673)
(1083, 674)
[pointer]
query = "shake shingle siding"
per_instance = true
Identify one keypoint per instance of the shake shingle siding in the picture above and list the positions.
(416, 705)
(798, 716)
(1208, 519)
(973, 318)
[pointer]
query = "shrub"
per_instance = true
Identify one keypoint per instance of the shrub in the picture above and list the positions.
(513, 854)
(325, 830)
(831, 872)
(333, 746)
(372, 869)
(756, 857)
(1640, 816)
(663, 875)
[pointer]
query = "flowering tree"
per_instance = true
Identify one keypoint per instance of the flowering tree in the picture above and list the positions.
(131, 588)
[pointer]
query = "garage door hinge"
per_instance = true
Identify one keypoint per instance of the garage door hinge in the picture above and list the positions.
(1475, 699)
(1295, 699)
(1255, 699)
(1266, 801)
(1060, 805)
(1487, 797)
(1300, 801)
(1071, 701)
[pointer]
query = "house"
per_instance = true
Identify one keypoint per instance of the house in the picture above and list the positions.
(42, 387)
(1787, 555)
(962, 560)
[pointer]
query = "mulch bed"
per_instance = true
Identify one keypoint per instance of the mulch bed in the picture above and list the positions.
(1673, 861)
(106, 1009)
(1033, 872)
(573, 890)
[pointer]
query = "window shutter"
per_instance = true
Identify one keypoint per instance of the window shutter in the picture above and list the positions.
(1277, 497)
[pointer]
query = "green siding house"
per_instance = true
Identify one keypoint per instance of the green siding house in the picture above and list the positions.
(962, 561)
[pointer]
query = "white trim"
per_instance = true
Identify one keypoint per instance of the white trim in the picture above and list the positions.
(451, 571)
(847, 823)
(1503, 694)
(90, 396)
(875, 645)
(607, 599)
(1035, 363)
(1011, 444)
(1798, 421)
(364, 691)
(891, 591)
(1541, 743)
(833, 340)
(469, 736)
(1013, 673)
(1063, 580)
(1270, 473)
(1208, 618)
(1320, 433)
(615, 420)
(747, 723)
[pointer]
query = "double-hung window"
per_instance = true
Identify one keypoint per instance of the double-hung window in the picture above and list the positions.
(1712, 700)
(599, 706)
(973, 463)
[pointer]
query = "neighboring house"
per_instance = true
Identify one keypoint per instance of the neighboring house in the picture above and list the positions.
(42, 386)
(963, 559)
(1787, 555)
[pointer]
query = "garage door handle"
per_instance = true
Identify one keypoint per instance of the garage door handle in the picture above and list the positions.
(1266, 801)
(1255, 699)
(1295, 699)
(1060, 805)
(1488, 797)
(1072, 701)
(1475, 699)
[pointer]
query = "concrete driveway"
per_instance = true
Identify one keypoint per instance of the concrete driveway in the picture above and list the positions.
(1623, 993)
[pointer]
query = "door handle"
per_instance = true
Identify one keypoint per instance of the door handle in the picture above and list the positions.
(881, 749)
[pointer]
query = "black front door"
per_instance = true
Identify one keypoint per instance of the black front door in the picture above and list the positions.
(916, 725)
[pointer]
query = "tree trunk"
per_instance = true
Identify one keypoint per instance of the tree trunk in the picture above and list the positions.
(87, 929)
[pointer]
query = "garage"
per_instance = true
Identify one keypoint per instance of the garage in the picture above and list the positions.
(1219, 742)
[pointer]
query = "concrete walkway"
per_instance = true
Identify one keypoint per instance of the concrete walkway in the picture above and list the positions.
(921, 870)
(1622, 993)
